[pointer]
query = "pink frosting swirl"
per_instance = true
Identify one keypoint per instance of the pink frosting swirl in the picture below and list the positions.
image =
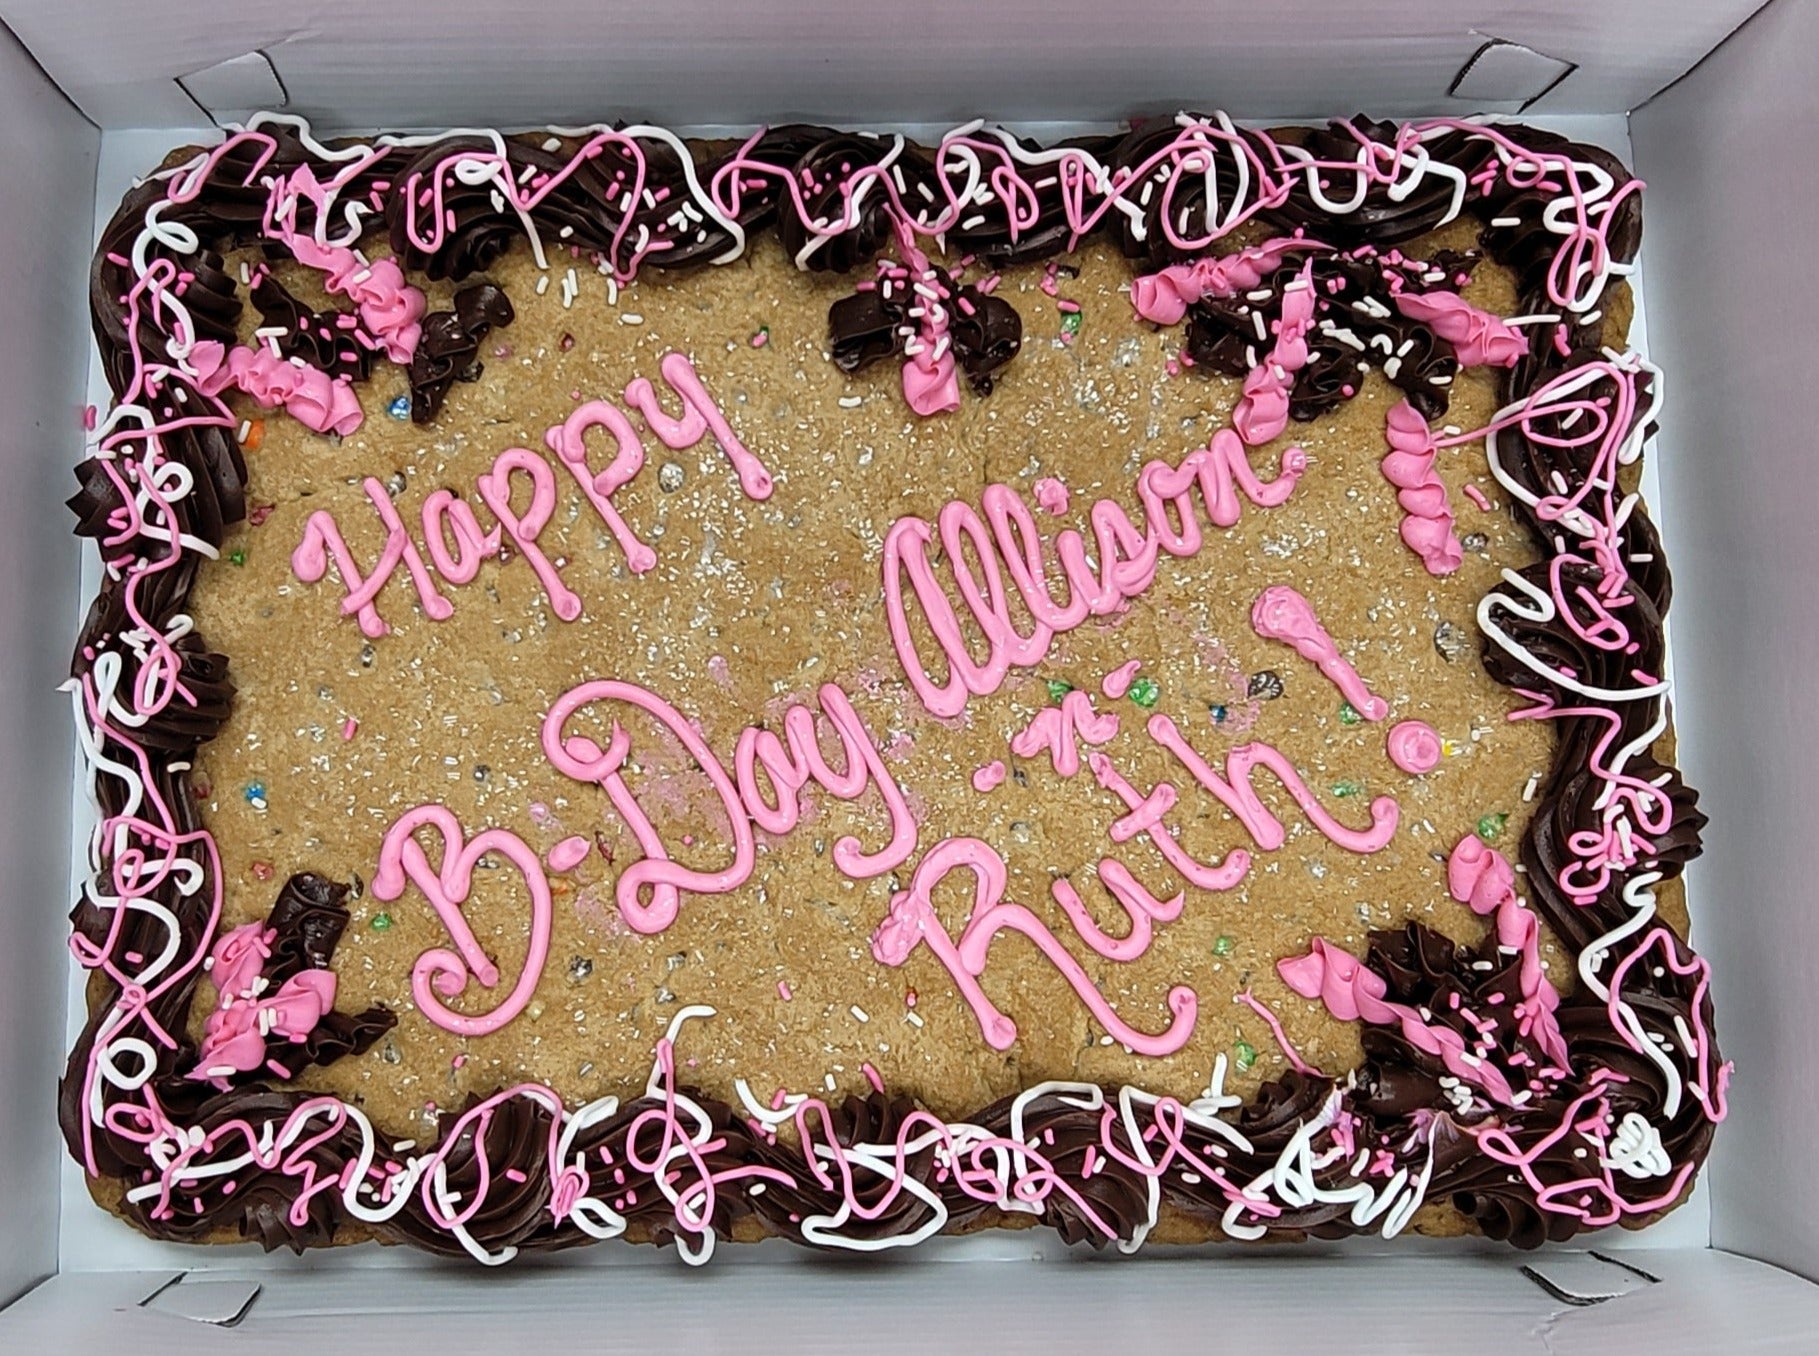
(1479, 876)
(1353, 993)
(1479, 338)
(1414, 747)
(1163, 298)
(929, 384)
(1262, 412)
(1427, 523)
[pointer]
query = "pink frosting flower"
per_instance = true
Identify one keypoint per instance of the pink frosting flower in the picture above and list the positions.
(1164, 297)
(1478, 338)
(238, 958)
(390, 308)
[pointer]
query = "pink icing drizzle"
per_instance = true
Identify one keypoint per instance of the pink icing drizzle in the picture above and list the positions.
(1427, 523)
(1052, 495)
(569, 853)
(1281, 613)
(1414, 747)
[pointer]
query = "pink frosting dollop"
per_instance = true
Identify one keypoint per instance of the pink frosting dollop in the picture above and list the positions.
(1414, 747)
(1163, 298)
(1479, 338)
(308, 394)
(1262, 412)
(930, 386)
(1052, 496)
(1427, 522)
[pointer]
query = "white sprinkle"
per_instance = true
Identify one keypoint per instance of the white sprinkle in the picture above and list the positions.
(1262, 329)
(565, 232)
(630, 318)
(851, 402)
(829, 1081)
(915, 1019)
(1506, 221)
(612, 290)
(552, 143)
(543, 284)
(1528, 792)
(859, 1013)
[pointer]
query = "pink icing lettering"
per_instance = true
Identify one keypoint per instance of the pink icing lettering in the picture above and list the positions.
(789, 769)
(443, 515)
(1062, 729)
(1051, 496)
(699, 415)
(568, 441)
(496, 489)
(1127, 565)
(1280, 613)
(579, 757)
(440, 973)
(1414, 747)
(1118, 682)
(912, 922)
(1427, 522)
(1238, 795)
(322, 541)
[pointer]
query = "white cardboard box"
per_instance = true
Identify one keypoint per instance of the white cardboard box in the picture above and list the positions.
(1728, 151)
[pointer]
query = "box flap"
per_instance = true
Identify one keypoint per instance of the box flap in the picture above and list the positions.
(697, 61)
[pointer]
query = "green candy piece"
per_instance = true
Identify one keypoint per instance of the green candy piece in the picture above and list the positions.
(1070, 322)
(1222, 945)
(237, 556)
(381, 921)
(1348, 714)
(1492, 825)
(1348, 788)
(1058, 688)
(1246, 1055)
(1145, 693)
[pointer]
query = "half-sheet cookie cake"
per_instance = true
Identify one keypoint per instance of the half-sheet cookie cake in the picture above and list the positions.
(829, 687)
